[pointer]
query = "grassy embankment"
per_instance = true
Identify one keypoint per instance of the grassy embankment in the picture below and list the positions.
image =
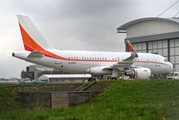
(125, 100)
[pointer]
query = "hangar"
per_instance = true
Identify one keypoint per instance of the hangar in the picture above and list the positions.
(155, 35)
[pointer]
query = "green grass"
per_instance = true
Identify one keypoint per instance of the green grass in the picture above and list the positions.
(125, 100)
(8, 99)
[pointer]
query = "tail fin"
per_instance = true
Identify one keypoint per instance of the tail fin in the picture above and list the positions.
(32, 38)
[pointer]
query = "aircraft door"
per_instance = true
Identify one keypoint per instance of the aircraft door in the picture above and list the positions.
(156, 59)
(60, 65)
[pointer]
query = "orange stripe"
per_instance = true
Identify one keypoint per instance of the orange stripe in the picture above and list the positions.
(26, 38)
(131, 49)
(31, 45)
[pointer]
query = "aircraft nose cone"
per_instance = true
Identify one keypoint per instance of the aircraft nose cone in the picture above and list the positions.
(170, 67)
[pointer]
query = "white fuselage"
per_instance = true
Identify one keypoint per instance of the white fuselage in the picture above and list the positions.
(135, 65)
(80, 61)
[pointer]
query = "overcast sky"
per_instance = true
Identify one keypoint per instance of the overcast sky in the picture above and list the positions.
(72, 24)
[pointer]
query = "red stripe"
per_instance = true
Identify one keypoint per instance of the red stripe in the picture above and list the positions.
(28, 48)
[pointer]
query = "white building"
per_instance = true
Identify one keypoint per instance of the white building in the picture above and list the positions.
(54, 78)
(156, 35)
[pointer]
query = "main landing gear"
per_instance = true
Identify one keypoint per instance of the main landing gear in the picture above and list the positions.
(113, 78)
(114, 74)
(92, 78)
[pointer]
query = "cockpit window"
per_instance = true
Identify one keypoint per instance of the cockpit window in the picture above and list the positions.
(165, 60)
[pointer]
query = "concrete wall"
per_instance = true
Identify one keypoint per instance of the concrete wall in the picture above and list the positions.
(35, 99)
(59, 99)
(55, 99)
(60, 95)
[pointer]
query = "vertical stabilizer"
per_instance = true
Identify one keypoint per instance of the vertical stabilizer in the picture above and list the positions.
(32, 38)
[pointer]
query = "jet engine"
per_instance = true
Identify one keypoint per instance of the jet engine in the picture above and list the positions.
(138, 73)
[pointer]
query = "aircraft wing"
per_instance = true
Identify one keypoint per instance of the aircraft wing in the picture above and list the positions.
(35, 54)
(126, 63)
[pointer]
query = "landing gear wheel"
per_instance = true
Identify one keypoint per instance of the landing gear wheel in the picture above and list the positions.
(113, 78)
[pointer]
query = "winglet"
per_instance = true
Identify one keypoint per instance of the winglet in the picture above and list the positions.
(130, 47)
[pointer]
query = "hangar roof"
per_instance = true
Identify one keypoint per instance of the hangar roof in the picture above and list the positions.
(126, 25)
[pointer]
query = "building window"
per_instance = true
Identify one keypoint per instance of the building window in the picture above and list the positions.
(176, 67)
(165, 52)
(144, 46)
(135, 46)
(172, 52)
(160, 52)
(177, 51)
(165, 44)
(139, 46)
(150, 45)
(172, 43)
(176, 59)
(176, 42)
(159, 44)
(172, 59)
(155, 51)
(155, 45)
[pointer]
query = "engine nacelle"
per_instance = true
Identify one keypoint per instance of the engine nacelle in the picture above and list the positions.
(138, 73)
(99, 70)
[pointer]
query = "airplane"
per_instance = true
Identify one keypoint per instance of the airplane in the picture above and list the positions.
(132, 64)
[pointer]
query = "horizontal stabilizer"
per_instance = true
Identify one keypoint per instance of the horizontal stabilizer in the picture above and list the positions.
(10, 55)
(35, 54)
